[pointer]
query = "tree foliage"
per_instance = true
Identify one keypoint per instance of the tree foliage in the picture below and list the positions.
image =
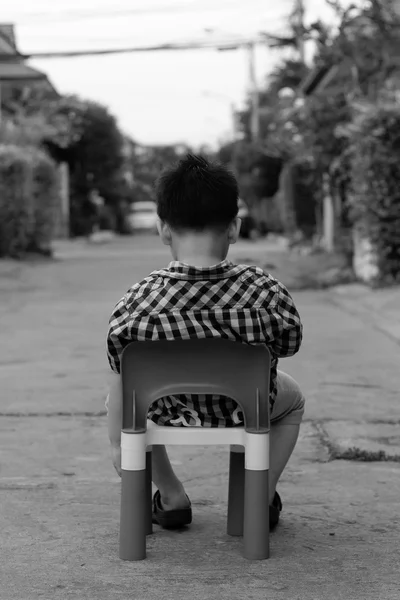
(146, 163)
(28, 200)
(375, 176)
(362, 57)
(86, 136)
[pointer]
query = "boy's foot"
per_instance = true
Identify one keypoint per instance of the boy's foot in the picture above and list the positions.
(177, 518)
(171, 519)
(274, 511)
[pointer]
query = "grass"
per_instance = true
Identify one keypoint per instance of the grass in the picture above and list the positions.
(356, 454)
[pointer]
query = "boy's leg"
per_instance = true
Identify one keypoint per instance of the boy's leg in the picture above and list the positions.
(286, 418)
(171, 490)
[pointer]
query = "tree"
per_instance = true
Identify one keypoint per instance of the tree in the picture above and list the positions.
(367, 41)
(147, 162)
(86, 136)
(79, 132)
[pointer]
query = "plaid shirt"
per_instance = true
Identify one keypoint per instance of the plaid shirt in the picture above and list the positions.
(235, 302)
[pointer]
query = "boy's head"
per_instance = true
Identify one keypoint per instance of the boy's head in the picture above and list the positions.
(197, 200)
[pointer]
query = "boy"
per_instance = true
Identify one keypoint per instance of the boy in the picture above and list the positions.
(202, 294)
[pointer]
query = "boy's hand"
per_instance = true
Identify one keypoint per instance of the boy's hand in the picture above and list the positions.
(116, 458)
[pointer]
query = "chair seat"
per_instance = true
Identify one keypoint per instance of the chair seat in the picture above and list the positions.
(194, 436)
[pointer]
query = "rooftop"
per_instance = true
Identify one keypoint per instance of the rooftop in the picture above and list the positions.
(12, 63)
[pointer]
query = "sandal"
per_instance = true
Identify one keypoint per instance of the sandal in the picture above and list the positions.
(274, 511)
(175, 519)
(170, 519)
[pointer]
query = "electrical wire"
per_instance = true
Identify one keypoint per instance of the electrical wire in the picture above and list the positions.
(225, 45)
(252, 28)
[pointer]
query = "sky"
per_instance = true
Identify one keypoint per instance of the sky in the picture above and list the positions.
(157, 97)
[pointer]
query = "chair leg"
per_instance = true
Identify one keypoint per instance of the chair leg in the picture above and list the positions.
(256, 515)
(149, 497)
(236, 493)
(133, 521)
(133, 524)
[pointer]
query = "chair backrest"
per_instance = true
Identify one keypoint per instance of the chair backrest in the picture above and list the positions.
(152, 370)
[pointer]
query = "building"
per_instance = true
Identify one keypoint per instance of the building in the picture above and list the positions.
(18, 81)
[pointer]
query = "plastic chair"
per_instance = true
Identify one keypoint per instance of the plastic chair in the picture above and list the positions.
(152, 370)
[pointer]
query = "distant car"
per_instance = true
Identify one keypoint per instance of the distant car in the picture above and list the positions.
(143, 216)
(248, 229)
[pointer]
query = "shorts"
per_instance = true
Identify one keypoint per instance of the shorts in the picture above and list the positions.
(289, 403)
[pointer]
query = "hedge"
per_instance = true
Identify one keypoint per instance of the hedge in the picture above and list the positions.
(375, 183)
(28, 200)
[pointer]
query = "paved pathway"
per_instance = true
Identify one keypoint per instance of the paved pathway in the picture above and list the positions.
(60, 496)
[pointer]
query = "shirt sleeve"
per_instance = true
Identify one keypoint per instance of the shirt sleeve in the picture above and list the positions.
(118, 335)
(286, 329)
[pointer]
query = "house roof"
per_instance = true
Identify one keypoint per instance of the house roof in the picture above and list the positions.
(12, 63)
(7, 39)
(18, 71)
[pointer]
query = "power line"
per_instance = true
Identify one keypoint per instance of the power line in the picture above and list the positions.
(226, 45)
(253, 28)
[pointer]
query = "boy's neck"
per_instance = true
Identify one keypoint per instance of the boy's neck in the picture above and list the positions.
(199, 251)
(200, 261)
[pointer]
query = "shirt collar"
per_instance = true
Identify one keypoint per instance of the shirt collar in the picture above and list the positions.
(181, 270)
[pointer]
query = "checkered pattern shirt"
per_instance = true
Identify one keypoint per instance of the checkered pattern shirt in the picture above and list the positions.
(236, 302)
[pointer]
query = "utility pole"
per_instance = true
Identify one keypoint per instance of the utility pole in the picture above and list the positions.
(235, 139)
(64, 230)
(298, 17)
(254, 97)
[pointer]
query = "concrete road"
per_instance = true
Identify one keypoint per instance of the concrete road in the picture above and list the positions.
(60, 496)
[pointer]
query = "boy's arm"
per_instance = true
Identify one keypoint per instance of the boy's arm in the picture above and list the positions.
(286, 327)
(114, 416)
(117, 339)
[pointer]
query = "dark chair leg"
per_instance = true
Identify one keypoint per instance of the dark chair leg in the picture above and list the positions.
(133, 523)
(256, 515)
(149, 496)
(236, 493)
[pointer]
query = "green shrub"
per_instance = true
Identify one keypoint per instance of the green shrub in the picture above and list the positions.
(305, 195)
(15, 200)
(46, 200)
(28, 197)
(375, 183)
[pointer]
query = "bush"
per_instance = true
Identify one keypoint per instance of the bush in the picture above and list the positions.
(28, 200)
(15, 200)
(375, 183)
(46, 200)
(306, 193)
(106, 218)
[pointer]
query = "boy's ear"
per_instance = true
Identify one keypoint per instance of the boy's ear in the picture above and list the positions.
(164, 232)
(234, 230)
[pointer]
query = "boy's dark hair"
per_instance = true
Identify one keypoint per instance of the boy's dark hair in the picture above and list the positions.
(197, 194)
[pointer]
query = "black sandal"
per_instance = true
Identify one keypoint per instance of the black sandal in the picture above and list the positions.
(170, 519)
(274, 511)
(176, 519)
